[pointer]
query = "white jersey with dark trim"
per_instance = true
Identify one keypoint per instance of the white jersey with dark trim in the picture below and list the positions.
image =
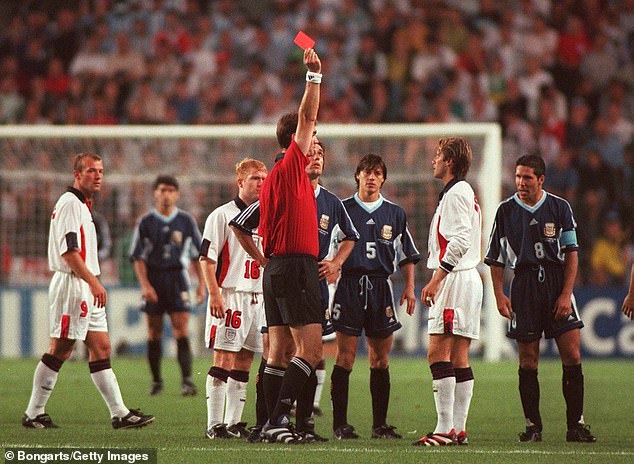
(235, 269)
(456, 229)
(72, 228)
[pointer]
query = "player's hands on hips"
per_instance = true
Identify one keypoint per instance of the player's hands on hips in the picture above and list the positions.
(563, 307)
(216, 305)
(149, 294)
(328, 270)
(628, 306)
(311, 60)
(409, 296)
(504, 306)
(100, 297)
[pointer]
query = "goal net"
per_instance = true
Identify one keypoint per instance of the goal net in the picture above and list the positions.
(35, 167)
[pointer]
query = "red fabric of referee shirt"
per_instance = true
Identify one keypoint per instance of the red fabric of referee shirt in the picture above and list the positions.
(288, 211)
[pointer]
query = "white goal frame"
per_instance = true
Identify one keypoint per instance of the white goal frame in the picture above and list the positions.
(489, 179)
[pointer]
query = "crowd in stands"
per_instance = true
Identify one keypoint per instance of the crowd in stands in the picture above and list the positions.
(558, 75)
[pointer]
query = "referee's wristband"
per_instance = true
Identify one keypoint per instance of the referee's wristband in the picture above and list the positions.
(313, 77)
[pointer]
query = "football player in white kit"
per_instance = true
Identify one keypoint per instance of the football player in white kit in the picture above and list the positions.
(77, 302)
(454, 293)
(235, 309)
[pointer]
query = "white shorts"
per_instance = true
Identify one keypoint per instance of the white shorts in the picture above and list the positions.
(457, 306)
(72, 312)
(240, 328)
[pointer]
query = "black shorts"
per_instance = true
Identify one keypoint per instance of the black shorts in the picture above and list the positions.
(291, 291)
(534, 292)
(365, 303)
(172, 289)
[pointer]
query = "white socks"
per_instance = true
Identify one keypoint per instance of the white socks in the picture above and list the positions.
(236, 398)
(44, 380)
(463, 394)
(106, 383)
(444, 393)
(216, 389)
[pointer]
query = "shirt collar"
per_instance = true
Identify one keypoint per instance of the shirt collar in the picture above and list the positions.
(79, 195)
(450, 184)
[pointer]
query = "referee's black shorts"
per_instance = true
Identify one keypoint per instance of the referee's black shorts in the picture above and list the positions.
(291, 291)
(534, 291)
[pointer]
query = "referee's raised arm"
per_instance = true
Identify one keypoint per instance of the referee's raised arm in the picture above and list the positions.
(307, 113)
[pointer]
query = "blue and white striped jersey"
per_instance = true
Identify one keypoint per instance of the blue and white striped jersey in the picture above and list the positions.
(529, 236)
(166, 242)
(385, 240)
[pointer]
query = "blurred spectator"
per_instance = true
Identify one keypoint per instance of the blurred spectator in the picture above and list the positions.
(125, 61)
(607, 144)
(65, 38)
(90, 60)
(600, 63)
(184, 104)
(578, 127)
(11, 102)
(563, 178)
(610, 259)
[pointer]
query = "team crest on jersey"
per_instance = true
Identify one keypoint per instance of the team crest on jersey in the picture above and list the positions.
(386, 232)
(549, 229)
(177, 236)
(230, 334)
(327, 314)
(324, 221)
(389, 312)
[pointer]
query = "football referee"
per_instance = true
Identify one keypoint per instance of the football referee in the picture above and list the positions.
(288, 225)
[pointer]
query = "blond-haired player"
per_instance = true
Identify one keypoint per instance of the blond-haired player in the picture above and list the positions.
(235, 309)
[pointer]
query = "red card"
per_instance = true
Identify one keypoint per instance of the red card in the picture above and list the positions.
(303, 41)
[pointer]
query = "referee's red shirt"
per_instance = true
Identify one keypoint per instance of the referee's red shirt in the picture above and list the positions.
(288, 211)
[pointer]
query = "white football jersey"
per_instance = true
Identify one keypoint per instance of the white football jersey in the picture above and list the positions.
(72, 228)
(455, 231)
(235, 269)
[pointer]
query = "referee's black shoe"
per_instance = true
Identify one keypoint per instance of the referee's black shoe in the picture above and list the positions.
(580, 434)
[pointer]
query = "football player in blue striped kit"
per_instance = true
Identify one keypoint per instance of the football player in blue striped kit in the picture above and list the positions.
(534, 234)
(164, 243)
(364, 299)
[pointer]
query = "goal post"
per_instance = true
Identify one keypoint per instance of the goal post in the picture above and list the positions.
(213, 150)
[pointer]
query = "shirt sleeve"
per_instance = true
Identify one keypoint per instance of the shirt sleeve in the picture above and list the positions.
(68, 216)
(141, 245)
(568, 240)
(214, 235)
(249, 219)
(196, 238)
(406, 251)
(455, 226)
(495, 251)
(346, 230)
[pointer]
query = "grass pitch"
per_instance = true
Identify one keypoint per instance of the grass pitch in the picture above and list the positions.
(178, 433)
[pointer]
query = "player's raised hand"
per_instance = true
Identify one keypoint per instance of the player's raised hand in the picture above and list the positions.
(311, 60)
(504, 306)
(216, 305)
(100, 297)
